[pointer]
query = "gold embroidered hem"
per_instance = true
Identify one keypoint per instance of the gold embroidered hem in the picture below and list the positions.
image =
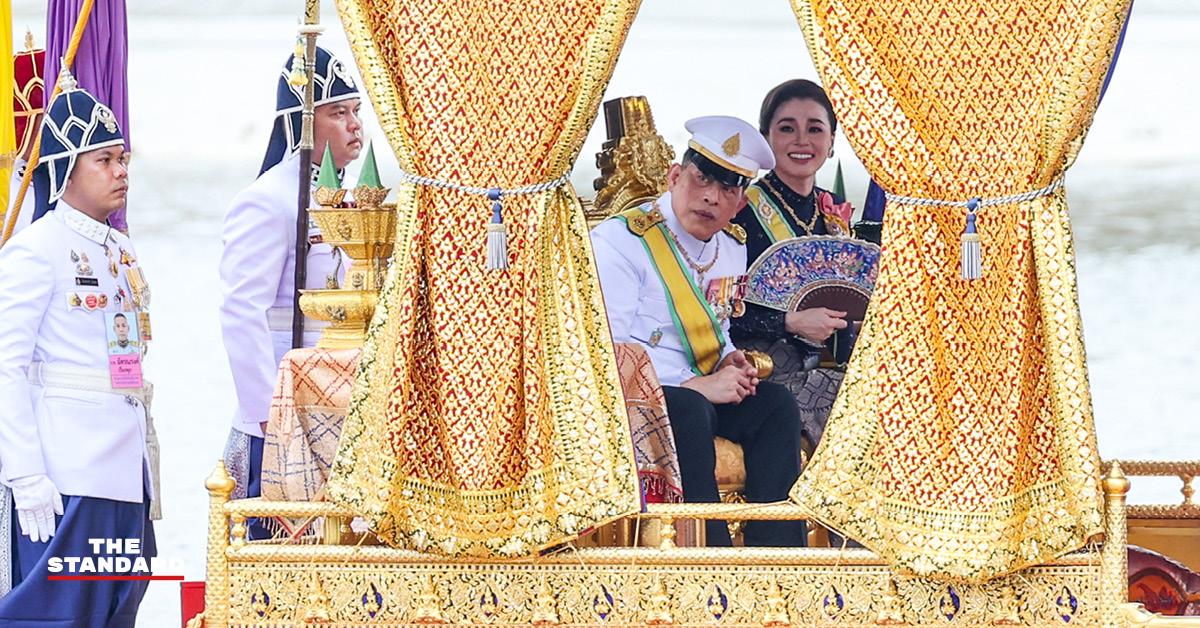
(487, 418)
(962, 444)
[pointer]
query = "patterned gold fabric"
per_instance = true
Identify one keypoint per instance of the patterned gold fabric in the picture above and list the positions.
(308, 411)
(962, 444)
(312, 393)
(487, 418)
(653, 438)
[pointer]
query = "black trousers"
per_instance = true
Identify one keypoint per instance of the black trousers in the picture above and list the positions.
(767, 426)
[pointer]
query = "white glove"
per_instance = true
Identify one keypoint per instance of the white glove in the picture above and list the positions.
(37, 502)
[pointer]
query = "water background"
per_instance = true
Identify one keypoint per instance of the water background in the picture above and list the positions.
(202, 77)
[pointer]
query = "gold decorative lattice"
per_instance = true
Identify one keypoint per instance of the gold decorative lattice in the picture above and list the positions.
(962, 444)
(487, 417)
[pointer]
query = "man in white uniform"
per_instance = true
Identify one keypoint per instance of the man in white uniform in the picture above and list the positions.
(258, 261)
(73, 420)
(668, 270)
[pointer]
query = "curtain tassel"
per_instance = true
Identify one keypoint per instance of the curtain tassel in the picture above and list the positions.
(972, 245)
(497, 235)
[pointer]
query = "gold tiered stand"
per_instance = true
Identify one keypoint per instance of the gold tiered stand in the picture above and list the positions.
(365, 233)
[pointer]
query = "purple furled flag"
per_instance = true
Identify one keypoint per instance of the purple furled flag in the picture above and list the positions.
(100, 62)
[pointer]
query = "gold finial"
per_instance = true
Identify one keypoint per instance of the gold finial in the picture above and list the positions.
(66, 81)
(1115, 483)
(220, 481)
(732, 145)
(28, 39)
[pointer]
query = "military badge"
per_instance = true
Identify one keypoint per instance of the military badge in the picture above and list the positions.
(725, 295)
(75, 301)
(137, 283)
(144, 325)
(74, 257)
(126, 258)
(83, 270)
(655, 337)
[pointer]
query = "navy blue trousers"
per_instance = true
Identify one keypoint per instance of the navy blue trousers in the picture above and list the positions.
(767, 426)
(36, 602)
(255, 530)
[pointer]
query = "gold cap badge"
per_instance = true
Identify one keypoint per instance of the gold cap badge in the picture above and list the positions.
(732, 145)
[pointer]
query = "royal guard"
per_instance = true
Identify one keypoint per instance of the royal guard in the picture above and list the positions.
(73, 418)
(257, 266)
(28, 96)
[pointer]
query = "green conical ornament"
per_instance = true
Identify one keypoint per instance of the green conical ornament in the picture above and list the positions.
(370, 172)
(839, 185)
(328, 177)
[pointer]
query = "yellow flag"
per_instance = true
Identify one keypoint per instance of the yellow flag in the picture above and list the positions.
(8, 133)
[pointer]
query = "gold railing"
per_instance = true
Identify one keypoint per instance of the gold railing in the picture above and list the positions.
(288, 584)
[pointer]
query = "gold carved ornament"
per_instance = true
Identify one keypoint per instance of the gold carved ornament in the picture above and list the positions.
(452, 445)
(962, 444)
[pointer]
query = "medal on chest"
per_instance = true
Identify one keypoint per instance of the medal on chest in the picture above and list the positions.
(726, 295)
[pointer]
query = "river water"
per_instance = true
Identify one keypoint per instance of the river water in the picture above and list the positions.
(201, 78)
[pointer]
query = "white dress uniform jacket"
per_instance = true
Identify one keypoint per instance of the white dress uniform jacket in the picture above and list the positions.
(89, 443)
(14, 186)
(257, 283)
(634, 295)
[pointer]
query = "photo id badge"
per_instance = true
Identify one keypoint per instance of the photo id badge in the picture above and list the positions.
(124, 350)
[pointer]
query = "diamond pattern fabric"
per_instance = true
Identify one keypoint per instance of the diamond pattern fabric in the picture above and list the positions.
(962, 444)
(487, 417)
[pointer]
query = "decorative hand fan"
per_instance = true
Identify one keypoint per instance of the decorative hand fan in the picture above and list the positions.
(818, 271)
(815, 271)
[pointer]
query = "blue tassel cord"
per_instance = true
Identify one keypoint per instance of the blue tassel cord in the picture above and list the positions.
(972, 245)
(497, 235)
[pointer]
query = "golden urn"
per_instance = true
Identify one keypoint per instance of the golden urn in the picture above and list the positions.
(365, 233)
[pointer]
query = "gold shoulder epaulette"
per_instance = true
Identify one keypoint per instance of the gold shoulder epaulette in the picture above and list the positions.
(639, 222)
(736, 232)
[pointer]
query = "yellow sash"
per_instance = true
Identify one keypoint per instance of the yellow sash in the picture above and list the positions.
(693, 316)
(768, 214)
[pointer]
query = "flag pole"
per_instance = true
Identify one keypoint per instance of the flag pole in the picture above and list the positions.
(85, 12)
(309, 30)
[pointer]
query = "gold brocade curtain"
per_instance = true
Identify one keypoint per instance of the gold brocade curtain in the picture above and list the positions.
(962, 444)
(487, 418)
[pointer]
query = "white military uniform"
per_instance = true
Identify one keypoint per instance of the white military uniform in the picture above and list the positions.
(258, 281)
(55, 416)
(634, 295)
(14, 186)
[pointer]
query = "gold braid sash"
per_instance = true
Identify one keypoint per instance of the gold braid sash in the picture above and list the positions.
(693, 316)
(768, 213)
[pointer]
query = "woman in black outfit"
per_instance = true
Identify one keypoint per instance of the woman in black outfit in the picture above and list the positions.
(798, 121)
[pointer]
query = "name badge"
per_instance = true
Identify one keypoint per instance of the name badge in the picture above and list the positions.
(124, 350)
